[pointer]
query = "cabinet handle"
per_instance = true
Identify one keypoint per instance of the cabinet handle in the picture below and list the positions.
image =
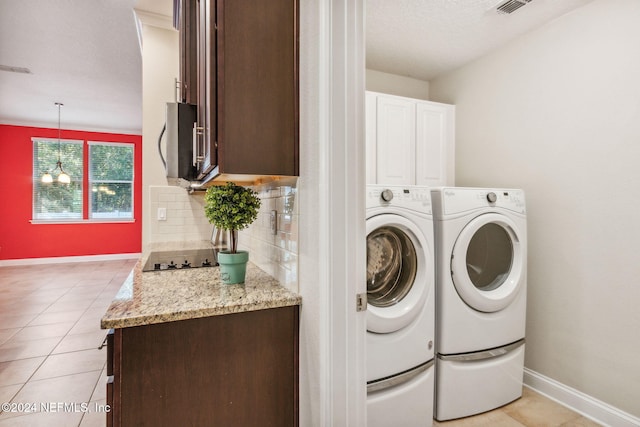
(197, 157)
(178, 89)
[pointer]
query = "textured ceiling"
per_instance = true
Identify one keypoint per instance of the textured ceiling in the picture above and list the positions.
(82, 53)
(424, 38)
(85, 53)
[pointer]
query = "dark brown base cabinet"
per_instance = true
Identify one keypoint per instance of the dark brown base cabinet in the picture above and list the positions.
(236, 370)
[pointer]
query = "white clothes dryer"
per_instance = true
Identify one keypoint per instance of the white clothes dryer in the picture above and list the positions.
(481, 280)
(400, 306)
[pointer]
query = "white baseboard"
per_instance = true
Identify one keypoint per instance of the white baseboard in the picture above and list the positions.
(60, 260)
(577, 401)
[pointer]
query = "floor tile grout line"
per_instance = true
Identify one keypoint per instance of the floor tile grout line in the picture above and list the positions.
(75, 351)
(42, 355)
(97, 383)
(42, 312)
(66, 375)
(36, 326)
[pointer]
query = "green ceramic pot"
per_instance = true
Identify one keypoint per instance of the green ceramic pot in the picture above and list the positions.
(233, 267)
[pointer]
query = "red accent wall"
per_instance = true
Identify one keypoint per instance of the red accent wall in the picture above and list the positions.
(19, 238)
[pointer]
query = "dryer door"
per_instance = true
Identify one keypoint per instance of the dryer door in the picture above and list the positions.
(399, 272)
(487, 264)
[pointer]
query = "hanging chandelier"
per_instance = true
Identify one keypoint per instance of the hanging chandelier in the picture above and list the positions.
(63, 177)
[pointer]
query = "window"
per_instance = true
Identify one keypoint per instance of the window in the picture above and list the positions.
(105, 193)
(111, 180)
(55, 201)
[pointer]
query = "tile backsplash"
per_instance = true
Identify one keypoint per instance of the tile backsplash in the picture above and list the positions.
(276, 254)
(185, 219)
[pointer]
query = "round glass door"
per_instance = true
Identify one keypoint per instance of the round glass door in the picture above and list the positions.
(398, 259)
(489, 257)
(487, 263)
(391, 266)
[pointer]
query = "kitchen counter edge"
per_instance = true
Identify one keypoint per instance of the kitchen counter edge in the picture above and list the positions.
(159, 297)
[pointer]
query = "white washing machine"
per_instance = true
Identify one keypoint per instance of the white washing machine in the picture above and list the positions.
(400, 306)
(481, 281)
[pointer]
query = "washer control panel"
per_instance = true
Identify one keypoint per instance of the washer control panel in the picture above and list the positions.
(408, 197)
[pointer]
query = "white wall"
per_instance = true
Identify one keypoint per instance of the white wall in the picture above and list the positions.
(557, 112)
(377, 81)
(160, 63)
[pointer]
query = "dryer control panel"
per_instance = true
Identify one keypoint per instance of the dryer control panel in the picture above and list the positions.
(408, 197)
(452, 200)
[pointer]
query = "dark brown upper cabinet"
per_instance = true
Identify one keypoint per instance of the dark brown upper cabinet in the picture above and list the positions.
(246, 57)
(185, 15)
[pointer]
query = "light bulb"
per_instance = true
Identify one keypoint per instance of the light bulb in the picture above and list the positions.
(47, 178)
(63, 178)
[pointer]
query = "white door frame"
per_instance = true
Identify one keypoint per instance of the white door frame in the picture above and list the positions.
(332, 238)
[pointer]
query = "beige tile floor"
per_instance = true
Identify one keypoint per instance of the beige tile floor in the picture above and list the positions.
(49, 338)
(50, 334)
(532, 410)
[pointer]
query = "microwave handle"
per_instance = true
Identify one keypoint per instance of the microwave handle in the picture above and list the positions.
(164, 162)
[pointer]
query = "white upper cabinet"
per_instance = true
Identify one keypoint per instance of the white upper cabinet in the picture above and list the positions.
(409, 141)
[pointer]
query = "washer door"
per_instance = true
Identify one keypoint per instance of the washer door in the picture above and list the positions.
(399, 271)
(487, 262)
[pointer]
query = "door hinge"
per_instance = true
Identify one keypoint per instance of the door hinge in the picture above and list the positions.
(361, 302)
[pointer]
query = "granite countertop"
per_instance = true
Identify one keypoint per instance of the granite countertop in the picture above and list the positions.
(167, 296)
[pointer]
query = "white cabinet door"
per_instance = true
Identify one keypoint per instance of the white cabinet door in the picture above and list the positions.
(434, 144)
(395, 141)
(409, 141)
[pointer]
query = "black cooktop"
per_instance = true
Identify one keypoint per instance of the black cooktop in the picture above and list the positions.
(178, 260)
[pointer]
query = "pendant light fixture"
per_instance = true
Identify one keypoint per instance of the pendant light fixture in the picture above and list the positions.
(63, 177)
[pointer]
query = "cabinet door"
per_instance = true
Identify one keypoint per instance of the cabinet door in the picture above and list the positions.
(395, 141)
(187, 21)
(434, 160)
(258, 87)
(238, 369)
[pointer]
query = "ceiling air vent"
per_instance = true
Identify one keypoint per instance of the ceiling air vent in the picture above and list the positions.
(511, 6)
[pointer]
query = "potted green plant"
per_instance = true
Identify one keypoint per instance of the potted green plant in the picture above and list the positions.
(231, 207)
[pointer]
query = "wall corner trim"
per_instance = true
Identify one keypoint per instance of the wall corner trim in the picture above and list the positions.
(577, 401)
